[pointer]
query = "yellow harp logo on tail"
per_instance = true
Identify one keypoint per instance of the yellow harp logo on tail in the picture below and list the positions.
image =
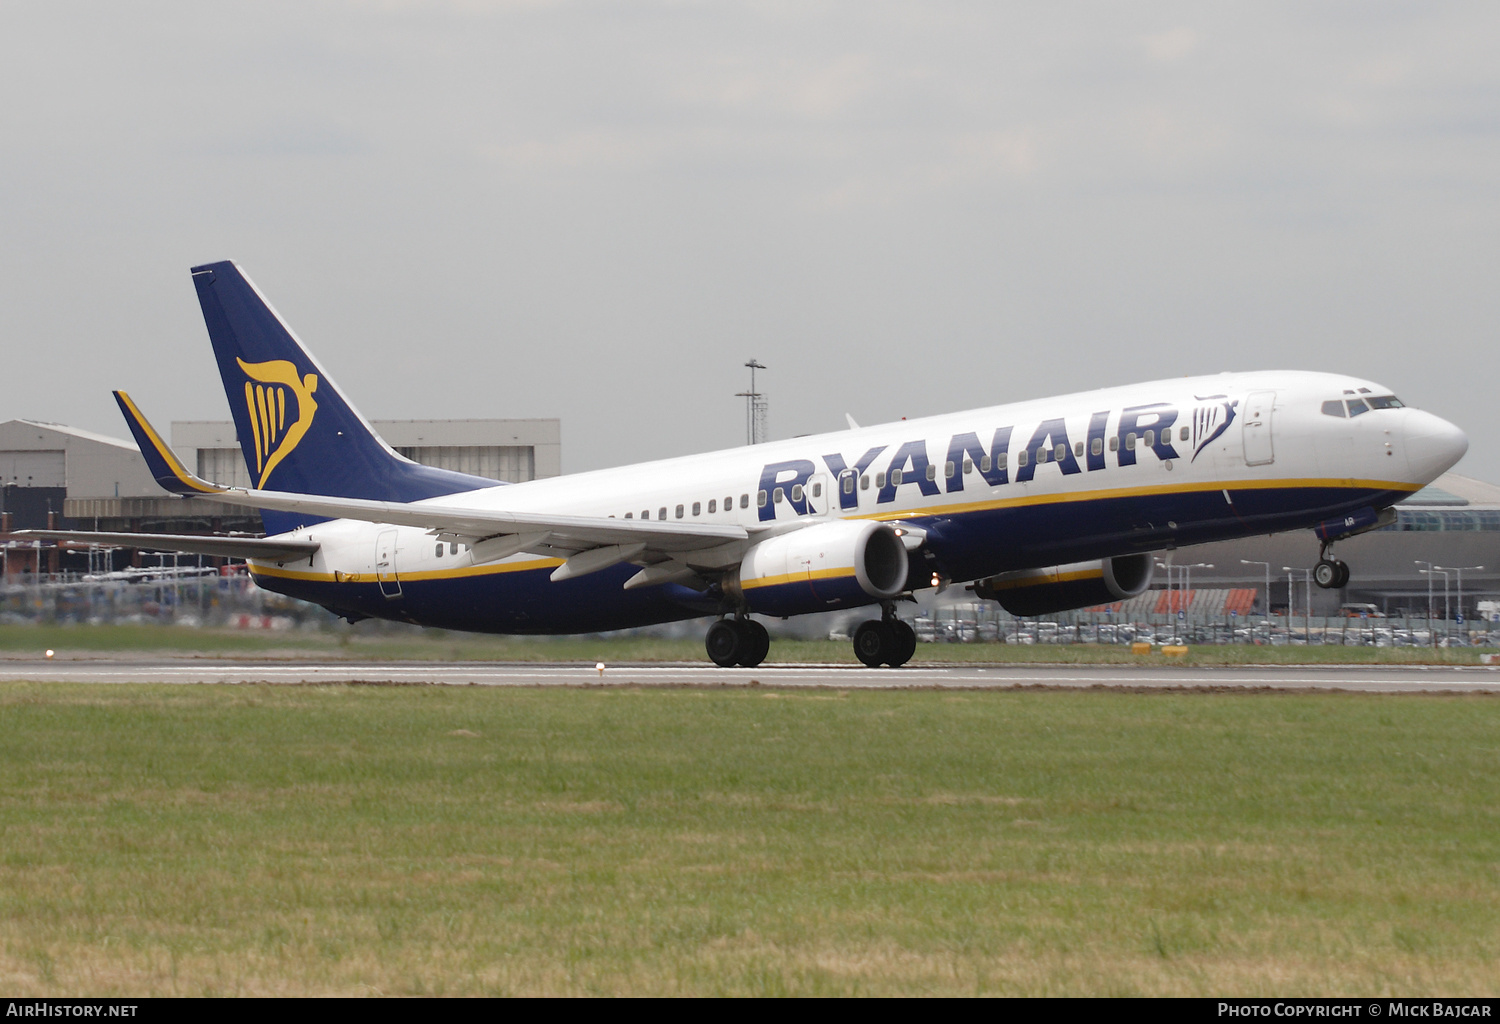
(271, 388)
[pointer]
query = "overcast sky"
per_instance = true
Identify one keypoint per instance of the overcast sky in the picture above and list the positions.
(599, 211)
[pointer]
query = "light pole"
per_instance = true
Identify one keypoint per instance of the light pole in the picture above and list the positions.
(1167, 565)
(1187, 585)
(1446, 616)
(1459, 572)
(1307, 611)
(1428, 573)
(1266, 597)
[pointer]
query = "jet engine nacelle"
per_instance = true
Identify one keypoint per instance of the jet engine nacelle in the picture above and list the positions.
(838, 564)
(1062, 587)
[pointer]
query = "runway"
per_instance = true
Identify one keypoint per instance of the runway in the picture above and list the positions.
(1366, 679)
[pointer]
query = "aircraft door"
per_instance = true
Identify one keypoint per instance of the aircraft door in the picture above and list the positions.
(385, 564)
(1257, 428)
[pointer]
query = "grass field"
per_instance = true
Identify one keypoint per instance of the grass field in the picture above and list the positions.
(439, 645)
(364, 840)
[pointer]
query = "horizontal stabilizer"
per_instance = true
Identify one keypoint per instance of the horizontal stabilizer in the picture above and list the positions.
(223, 547)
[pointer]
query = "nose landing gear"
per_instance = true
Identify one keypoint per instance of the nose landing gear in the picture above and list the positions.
(743, 642)
(1330, 573)
(888, 641)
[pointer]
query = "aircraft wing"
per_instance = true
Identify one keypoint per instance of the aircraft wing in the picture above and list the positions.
(491, 533)
(576, 532)
(224, 547)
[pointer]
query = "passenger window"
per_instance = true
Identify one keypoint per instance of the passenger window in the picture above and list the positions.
(439, 552)
(1333, 409)
(1114, 444)
(713, 505)
(1022, 457)
(778, 495)
(1130, 442)
(679, 511)
(879, 479)
(984, 463)
(1001, 461)
(760, 500)
(932, 472)
(1149, 438)
(697, 508)
(1078, 449)
(1096, 446)
(745, 499)
(1182, 435)
(968, 466)
(453, 547)
(728, 503)
(848, 483)
(663, 513)
(817, 490)
(1356, 406)
(1060, 452)
(896, 477)
(629, 515)
(646, 513)
(948, 470)
(796, 492)
(864, 482)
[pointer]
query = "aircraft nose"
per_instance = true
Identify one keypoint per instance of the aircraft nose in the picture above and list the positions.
(1433, 445)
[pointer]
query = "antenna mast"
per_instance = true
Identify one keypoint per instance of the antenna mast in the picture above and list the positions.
(755, 407)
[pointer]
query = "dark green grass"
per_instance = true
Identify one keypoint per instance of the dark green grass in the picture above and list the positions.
(416, 840)
(441, 645)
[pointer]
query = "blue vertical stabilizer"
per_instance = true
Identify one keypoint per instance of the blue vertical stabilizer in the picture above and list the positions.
(297, 431)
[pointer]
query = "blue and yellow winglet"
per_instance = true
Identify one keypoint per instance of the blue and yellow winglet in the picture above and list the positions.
(164, 464)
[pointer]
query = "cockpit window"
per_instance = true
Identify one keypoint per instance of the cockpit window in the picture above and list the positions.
(1385, 402)
(1333, 409)
(1356, 406)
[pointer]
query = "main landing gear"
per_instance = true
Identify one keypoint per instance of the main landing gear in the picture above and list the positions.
(1330, 573)
(743, 642)
(888, 641)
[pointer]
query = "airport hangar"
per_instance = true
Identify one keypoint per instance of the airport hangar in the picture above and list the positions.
(58, 477)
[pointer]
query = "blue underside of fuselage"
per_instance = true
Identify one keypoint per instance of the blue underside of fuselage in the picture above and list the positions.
(964, 546)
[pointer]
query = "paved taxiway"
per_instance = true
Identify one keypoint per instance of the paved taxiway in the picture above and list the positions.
(1374, 679)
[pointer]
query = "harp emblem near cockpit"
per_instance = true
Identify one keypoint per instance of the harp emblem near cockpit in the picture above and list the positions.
(1210, 421)
(281, 409)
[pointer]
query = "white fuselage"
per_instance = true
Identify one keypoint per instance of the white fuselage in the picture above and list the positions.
(1005, 487)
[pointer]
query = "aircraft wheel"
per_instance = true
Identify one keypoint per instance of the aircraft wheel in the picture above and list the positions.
(757, 643)
(1326, 573)
(870, 643)
(1343, 580)
(903, 643)
(724, 643)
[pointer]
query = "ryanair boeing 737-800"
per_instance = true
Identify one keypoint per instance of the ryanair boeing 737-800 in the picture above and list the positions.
(1042, 505)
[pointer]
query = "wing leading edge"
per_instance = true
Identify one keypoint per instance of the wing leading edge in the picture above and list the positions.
(189, 544)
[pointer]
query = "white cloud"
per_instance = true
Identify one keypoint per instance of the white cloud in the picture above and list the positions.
(1171, 45)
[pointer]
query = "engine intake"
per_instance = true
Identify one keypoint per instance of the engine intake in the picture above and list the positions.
(1063, 587)
(840, 564)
